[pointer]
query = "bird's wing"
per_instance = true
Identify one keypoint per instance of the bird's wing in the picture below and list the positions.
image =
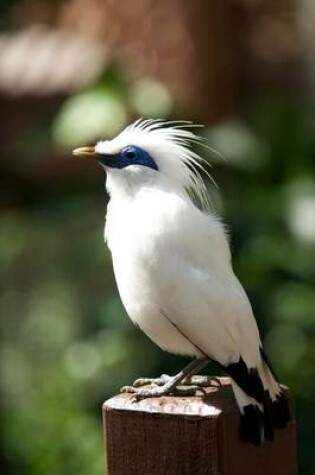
(207, 302)
(214, 315)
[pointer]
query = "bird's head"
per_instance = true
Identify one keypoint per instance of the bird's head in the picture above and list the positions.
(152, 151)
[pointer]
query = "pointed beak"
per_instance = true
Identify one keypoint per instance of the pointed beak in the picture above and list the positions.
(86, 152)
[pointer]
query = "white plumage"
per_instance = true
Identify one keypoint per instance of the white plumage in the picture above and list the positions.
(173, 267)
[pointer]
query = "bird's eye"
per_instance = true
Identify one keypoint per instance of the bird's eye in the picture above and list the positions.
(129, 153)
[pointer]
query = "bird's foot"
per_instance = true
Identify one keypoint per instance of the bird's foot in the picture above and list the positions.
(165, 385)
(163, 379)
(150, 387)
(202, 381)
(166, 389)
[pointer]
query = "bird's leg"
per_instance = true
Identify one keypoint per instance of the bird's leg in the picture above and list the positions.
(193, 367)
(189, 370)
(194, 380)
(167, 384)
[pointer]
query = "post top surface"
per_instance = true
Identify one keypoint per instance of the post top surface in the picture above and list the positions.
(210, 404)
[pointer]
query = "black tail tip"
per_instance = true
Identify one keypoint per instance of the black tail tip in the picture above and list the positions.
(251, 424)
(281, 411)
(256, 426)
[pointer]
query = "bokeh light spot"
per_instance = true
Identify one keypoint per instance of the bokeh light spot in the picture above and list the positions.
(150, 98)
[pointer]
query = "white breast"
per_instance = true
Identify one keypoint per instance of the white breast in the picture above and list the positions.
(152, 237)
(136, 232)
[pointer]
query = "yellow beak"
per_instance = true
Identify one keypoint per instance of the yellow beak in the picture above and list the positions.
(86, 152)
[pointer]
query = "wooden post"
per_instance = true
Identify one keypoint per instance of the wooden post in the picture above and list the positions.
(190, 436)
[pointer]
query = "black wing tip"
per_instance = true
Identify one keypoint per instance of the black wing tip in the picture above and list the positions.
(247, 378)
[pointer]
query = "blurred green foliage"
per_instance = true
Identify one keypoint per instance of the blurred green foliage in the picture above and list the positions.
(66, 342)
(103, 109)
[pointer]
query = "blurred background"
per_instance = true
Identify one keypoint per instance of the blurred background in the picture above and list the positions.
(77, 70)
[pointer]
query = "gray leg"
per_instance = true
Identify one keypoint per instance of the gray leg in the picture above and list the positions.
(192, 368)
(167, 384)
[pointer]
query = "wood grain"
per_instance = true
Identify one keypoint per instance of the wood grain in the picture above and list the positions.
(189, 436)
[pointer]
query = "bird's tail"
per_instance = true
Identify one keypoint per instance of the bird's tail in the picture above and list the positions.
(263, 403)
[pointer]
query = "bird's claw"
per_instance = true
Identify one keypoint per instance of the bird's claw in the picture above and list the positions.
(188, 390)
(127, 389)
(157, 391)
(202, 381)
(145, 392)
(163, 379)
(166, 385)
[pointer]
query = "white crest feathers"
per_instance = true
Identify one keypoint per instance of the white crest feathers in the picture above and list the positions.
(169, 143)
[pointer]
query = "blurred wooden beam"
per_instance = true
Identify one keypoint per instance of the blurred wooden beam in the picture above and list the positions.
(190, 46)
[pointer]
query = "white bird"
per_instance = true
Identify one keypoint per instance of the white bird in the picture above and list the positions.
(172, 265)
